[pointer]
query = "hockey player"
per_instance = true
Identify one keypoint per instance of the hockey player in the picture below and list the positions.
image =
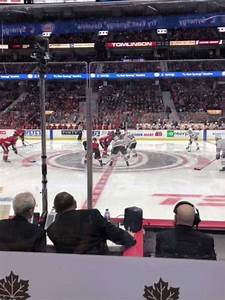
(7, 142)
(118, 132)
(119, 146)
(80, 132)
(105, 142)
(220, 151)
(20, 133)
(95, 149)
(131, 144)
(193, 137)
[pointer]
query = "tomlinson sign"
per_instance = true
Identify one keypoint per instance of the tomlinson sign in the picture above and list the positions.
(130, 44)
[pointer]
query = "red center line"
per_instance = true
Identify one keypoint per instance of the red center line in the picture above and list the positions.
(177, 195)
(202, 162)
(211, 204)
(216, 196)
(100, 185)
(214, 200)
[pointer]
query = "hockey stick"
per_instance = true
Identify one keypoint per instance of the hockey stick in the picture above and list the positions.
(205, 165)
(31, 144)
(27, 144)
(106, 163)
(31, 161)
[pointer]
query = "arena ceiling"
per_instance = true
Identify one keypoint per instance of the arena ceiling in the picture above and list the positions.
(48, 12)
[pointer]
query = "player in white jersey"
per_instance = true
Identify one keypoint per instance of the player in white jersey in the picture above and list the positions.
(131, 144)
(193, 137)
(220, 151)
(119, 146)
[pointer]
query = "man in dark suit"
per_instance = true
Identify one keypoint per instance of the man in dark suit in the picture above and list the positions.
(18, 234)
(83, 231)
(184, 241)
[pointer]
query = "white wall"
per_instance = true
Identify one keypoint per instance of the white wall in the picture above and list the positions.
(82, 277)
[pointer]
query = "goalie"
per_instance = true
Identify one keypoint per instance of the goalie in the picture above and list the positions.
(220, 151)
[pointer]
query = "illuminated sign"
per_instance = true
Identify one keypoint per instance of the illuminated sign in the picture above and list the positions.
(4, 46)
(215, 112)
(11, 1)
(183, 43)
(214, 42)
(131, 44)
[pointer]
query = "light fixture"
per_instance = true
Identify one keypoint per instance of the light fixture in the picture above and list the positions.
(162, 31)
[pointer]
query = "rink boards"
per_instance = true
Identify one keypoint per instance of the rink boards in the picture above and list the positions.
(70, 134)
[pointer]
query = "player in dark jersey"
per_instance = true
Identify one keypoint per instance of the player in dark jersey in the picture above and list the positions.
(105, 142)
(95, 149)
(6, 143)
(20, 133)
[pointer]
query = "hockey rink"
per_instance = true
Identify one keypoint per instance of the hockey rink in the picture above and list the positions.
(162, 174)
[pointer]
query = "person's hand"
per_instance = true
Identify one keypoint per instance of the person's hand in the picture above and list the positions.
(131, 233)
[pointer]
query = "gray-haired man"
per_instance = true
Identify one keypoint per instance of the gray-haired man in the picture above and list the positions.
(18, 234)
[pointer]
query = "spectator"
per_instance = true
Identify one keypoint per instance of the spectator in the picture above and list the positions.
(168, 112)
(83, 231)
(184, 241)
(17, 234)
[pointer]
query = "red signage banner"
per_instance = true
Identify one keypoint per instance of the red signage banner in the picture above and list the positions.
(214, 42)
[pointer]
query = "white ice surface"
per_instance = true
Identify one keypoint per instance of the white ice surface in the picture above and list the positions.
(122, 189)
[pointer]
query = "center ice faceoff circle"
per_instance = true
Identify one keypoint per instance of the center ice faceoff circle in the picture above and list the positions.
(145, 161)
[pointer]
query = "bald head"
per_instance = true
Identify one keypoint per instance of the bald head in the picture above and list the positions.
(185, 215)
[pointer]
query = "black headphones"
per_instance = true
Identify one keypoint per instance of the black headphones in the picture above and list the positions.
(197, 218)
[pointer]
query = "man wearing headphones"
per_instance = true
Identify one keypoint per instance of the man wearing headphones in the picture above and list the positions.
(184, 241)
